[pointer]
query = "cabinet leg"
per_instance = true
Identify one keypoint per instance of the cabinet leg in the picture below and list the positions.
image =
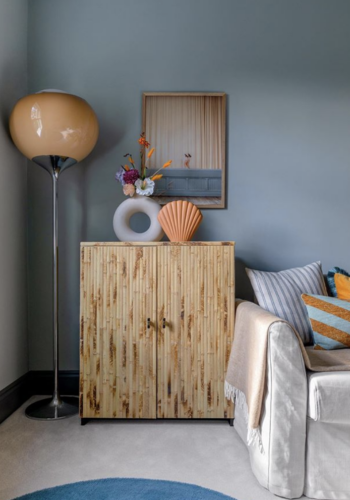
(83, 421)
(230, 421)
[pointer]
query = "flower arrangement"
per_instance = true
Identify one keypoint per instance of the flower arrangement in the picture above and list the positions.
(134, 180)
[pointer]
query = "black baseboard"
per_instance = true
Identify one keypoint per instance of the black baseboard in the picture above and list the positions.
(13, 396)
(41, 382)
(36, 383)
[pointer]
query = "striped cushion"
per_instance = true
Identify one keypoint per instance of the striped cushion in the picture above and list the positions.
(280, 293)
(330, 279)
(330, 321)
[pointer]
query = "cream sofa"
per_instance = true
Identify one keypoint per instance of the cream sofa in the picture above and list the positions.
(304, 425)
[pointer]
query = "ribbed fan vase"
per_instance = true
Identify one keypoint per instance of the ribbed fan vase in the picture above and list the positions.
(180, 220)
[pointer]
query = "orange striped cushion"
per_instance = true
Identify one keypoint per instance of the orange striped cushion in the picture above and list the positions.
(330, 321)
(342, 285)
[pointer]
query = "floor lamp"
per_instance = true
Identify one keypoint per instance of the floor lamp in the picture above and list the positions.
(55, 130)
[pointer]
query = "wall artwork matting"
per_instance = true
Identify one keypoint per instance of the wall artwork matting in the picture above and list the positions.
(189, 128)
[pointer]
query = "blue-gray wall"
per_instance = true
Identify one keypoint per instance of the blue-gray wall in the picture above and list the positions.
(13, 197)
(285, 67)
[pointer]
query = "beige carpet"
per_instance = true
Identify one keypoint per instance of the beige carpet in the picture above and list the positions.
(36, 455)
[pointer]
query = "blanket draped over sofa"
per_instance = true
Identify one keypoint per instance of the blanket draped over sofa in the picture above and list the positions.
(246, 374)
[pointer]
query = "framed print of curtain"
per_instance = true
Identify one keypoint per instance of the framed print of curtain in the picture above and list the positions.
(189, 129)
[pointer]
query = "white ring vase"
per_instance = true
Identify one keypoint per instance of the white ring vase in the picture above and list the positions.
(131, 206)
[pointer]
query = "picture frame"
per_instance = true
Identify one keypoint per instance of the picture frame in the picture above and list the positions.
(188, 128)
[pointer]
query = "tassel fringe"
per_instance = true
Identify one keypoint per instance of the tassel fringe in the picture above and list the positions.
(238, 398)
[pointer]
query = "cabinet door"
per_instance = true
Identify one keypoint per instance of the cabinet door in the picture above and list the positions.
(118, 332)
(195, 290)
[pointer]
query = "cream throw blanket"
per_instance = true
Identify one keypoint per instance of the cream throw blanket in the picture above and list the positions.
(245, 377)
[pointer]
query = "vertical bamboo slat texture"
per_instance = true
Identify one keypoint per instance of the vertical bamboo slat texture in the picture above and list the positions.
(196, 297)
(117, 348)
(156, 328)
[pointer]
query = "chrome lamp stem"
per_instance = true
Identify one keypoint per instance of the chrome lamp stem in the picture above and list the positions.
(57, 407)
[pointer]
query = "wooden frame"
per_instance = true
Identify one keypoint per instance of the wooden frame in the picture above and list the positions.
(205, 177)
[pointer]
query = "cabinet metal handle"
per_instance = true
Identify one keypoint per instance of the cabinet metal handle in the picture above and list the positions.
(148, 323)
(164, 323)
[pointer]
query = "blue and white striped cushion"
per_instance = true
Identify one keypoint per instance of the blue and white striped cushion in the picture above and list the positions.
(280, 293)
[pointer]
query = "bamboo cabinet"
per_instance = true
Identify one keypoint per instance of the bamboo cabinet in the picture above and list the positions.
(156, 327)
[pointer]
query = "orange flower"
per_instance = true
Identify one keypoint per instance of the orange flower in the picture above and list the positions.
(150, 153)
(127, 168)
(131, 160)
(143, 141)
(156, 177)
(166, 165)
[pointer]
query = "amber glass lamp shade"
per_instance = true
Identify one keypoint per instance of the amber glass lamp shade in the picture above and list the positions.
(53, 124)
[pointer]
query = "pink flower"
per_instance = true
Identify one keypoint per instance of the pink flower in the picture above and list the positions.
(131, 176)
(129, 190)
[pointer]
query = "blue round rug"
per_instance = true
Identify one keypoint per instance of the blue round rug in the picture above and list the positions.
(126, 489)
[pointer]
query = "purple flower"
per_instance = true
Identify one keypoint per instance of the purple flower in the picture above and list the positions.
(131, 176)
(119, 176)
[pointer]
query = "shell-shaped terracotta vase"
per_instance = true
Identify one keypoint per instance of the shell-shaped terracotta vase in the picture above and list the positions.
(180, 220)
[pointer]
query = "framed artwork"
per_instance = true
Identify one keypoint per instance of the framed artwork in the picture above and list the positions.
(190, 130)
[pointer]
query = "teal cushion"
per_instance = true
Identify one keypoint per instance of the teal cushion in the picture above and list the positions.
(330, 279)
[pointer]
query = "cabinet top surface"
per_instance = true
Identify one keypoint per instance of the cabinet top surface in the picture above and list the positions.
(155, 243)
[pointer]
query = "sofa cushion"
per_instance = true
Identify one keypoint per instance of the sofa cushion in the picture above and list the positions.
(342, 284)
(330, 278)
(329, 399)
(330, 321)
(280, 293)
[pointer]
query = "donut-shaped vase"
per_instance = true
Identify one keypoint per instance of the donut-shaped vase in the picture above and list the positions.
(134, 205)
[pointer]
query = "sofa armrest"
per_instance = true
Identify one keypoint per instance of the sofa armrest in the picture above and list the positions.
(286, 395)
(281, 468)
